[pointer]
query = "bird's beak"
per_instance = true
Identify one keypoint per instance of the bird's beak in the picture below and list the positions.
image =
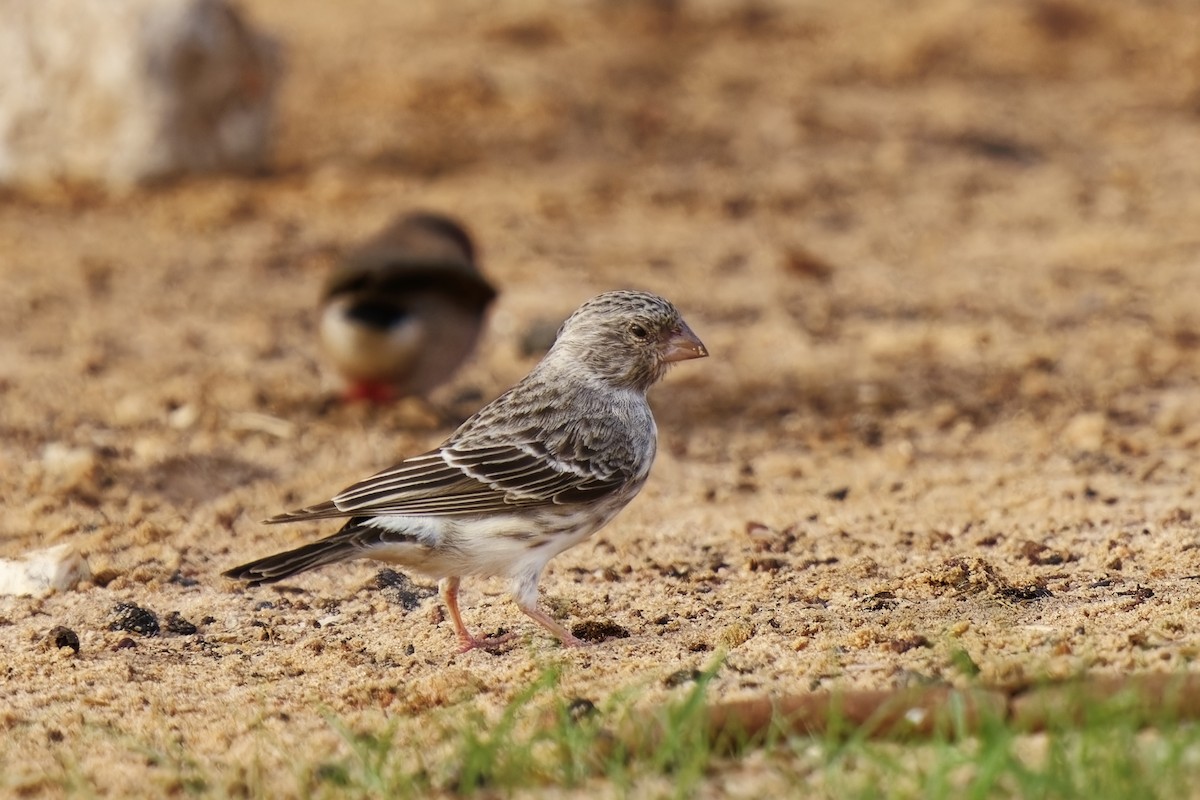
(682, 345)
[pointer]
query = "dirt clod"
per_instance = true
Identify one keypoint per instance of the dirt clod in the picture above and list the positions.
(598, 631)
(175, 623)
(941, 255)
(61, 636)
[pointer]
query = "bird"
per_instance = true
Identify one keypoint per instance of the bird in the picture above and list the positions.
(534, 472)
(401, 312)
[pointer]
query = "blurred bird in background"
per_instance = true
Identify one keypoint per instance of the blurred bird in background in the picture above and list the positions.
(402, 312)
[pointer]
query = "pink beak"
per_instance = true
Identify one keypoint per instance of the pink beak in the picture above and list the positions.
(682, 345)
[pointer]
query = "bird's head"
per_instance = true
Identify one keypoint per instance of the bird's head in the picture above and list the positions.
(627, 339)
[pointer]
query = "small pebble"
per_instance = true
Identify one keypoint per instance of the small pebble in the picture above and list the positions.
(60, 637)
(177, 624)
(399, 589)
(134, 619)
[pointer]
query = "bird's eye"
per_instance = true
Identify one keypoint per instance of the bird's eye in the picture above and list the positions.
(639, 332)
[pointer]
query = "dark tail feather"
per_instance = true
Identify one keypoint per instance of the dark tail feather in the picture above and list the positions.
(320, 511)
(285, 565)
(355, 540)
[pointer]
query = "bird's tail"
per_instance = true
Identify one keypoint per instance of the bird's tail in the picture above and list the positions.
(285, 565)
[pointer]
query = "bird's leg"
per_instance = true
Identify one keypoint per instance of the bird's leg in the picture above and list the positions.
(524, 593)
(373, 392)
(448, 589)
(567, 638)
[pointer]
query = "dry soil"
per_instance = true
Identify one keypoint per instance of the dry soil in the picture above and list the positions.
(945, 255)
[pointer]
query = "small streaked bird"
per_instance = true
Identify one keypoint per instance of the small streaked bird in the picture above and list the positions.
(401, 312)
(534, 472)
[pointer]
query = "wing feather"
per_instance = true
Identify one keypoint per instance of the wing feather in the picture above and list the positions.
(473, 473)
(456, 480)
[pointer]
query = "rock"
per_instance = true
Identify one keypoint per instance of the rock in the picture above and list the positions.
(60, 637)
(178, 625)
(399, 589)
(134, 619)
(43, 572)
(120, 92)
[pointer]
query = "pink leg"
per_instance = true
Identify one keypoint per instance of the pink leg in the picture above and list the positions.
(448, 588)
(567, 638)
(369, 391)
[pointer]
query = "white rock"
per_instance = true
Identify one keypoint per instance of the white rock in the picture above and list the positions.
(126, 91)
(43, 572)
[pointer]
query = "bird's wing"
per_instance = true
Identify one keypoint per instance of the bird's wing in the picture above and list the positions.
(457, 480)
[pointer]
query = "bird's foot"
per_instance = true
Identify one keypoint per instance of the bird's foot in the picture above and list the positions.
(469, 643)
(379, 394)
(567, 638)
(570, 640)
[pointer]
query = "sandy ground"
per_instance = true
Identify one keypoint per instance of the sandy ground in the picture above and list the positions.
(945, 256)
